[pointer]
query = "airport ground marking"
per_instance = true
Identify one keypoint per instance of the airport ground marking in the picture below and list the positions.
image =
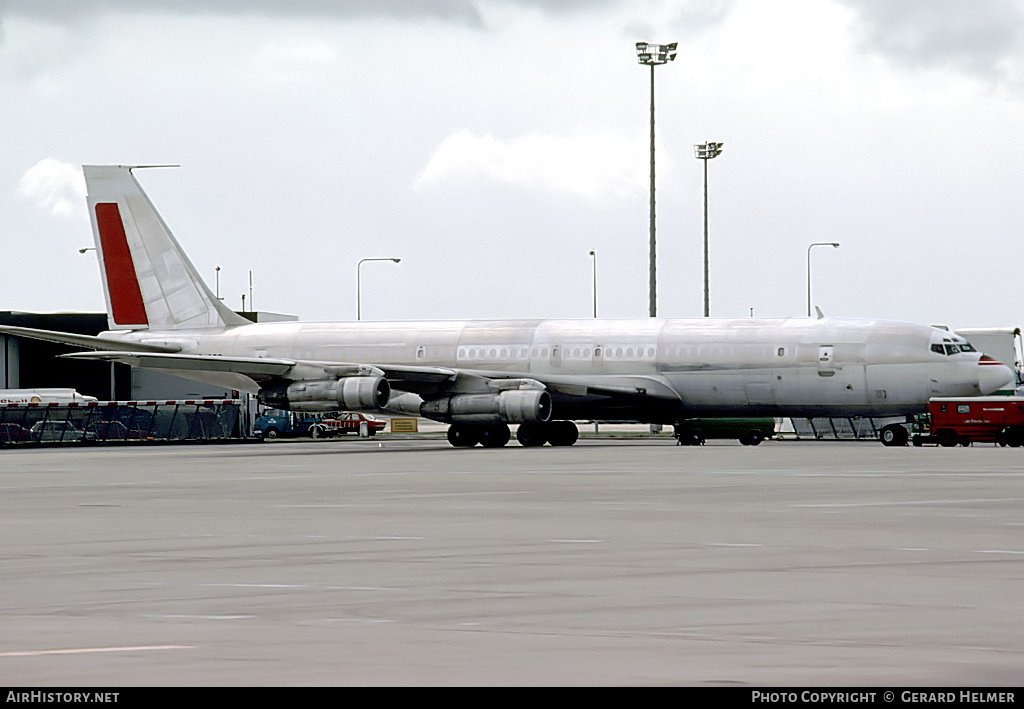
(83, 650)
(900, 503)
(728, 544)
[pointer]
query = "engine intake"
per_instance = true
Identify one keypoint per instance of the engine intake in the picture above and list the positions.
(348, 393)
(516, 406)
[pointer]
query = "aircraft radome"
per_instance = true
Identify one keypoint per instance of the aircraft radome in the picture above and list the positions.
(481, 376)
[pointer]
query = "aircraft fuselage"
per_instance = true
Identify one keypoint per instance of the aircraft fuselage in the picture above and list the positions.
(791, 367)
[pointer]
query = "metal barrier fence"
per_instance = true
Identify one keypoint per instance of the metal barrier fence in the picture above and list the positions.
(836, 428)
(117, 421)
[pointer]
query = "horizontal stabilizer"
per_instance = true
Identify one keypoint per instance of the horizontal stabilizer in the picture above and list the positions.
(90, 341)
(255, 367)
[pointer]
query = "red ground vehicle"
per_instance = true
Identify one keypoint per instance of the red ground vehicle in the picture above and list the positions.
(344, 423)
(992, 419)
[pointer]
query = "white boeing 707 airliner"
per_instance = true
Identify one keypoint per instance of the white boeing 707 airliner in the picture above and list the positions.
(480, 376)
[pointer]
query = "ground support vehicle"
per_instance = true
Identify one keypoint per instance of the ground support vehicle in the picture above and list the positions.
(749, 431)
(345, 422)
(983, 419)
(278, 423)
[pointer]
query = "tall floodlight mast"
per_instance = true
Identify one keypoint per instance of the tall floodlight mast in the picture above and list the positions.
(705, 152)
(654, 55)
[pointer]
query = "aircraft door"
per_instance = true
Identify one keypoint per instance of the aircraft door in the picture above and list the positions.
(556, 356)
(826, 361)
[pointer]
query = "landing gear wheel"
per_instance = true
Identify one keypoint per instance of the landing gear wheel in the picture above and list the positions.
(687, 436)
(495, 436)
(463, 436)
(531, 435)
(562, 433)
(894, 435)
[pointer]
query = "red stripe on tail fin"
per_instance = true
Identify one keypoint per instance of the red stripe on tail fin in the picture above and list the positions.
(126, 304)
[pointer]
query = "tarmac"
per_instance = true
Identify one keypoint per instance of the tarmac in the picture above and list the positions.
(614, 562)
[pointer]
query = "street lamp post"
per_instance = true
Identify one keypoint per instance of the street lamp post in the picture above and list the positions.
(705, 152)
(593, 255)
(834, 245)
(653, 55)
(359, 283)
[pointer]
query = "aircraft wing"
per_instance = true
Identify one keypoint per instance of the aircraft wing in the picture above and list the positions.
(263, 368)
(428, 382)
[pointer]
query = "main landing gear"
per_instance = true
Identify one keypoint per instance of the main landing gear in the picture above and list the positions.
(529, 435)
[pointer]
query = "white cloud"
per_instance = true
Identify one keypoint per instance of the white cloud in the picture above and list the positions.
(54, 186)
(291, 59)
(592, 166)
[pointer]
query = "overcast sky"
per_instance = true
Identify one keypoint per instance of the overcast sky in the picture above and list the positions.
(491, 144)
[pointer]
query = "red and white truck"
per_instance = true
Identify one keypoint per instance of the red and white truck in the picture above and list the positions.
(959, 421)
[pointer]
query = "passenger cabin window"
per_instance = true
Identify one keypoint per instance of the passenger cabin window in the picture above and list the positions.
(963, 408)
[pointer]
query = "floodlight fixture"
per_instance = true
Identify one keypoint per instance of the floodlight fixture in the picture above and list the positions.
(648, 53)
(707, 151)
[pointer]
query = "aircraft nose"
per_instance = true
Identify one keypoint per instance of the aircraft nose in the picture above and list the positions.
(993, 375)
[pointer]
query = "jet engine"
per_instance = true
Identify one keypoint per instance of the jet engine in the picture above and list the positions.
(348, 393)
(515, 406)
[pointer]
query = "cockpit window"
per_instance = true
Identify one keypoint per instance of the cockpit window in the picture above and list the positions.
(953, 349)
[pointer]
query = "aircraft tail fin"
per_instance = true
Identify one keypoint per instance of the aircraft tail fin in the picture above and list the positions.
(148, 280)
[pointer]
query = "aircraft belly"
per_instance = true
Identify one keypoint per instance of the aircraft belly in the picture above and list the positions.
(836, 391)
(723, 393)
(777, 392)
